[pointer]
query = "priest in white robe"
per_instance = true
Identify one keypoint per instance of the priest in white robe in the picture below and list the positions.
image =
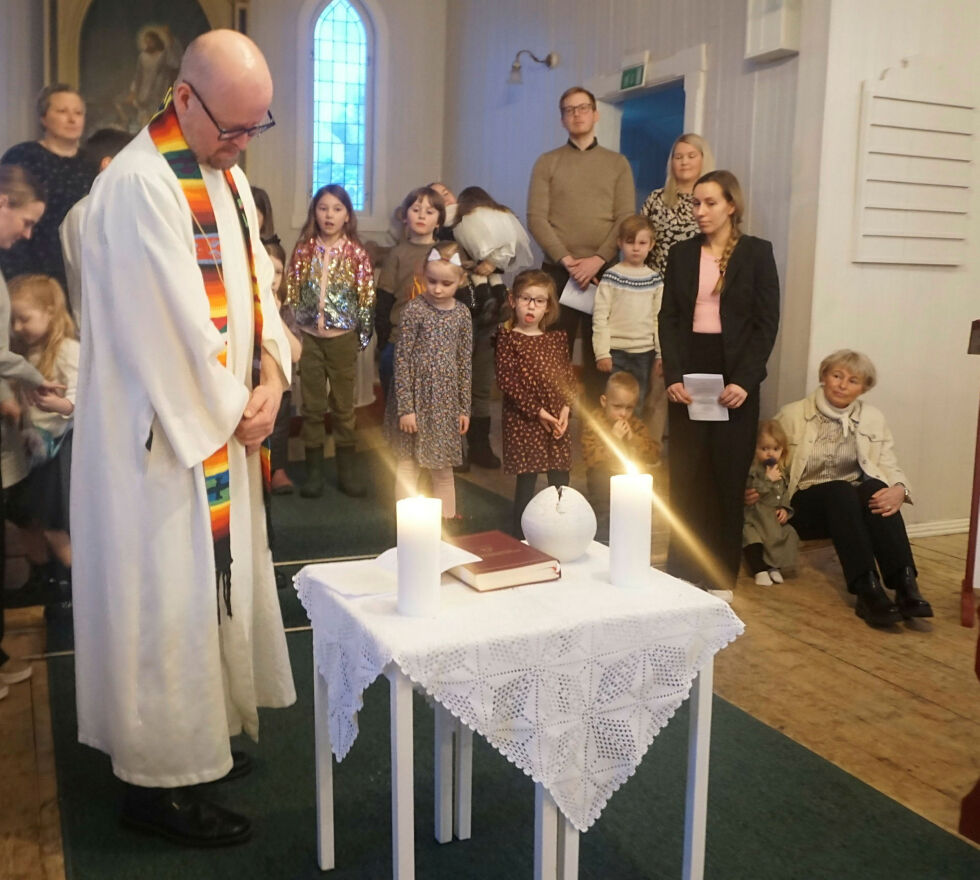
(164, 674)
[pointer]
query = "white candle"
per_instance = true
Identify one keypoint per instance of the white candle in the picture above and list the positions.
(630, 503)
(419, 532)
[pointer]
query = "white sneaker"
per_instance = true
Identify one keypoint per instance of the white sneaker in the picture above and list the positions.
(724, 595)
(4, 690)
(776, 575)
(14, 671)
(763, 579)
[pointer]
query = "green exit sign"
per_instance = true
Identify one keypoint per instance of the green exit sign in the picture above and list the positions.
(631, 77)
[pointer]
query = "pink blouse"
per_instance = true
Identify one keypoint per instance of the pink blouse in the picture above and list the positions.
(707, 307)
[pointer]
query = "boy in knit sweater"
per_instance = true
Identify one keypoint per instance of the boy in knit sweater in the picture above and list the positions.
(627, 302)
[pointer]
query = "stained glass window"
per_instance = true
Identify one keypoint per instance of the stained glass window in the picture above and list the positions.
(340, 101)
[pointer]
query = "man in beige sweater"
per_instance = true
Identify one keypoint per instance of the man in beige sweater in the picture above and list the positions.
(577, 198)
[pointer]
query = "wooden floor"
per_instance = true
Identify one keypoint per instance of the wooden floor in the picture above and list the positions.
(899, 709)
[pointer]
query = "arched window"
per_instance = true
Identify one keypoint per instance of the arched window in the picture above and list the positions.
(342, 44)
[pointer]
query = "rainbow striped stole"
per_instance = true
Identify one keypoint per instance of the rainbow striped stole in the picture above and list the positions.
(165, 132)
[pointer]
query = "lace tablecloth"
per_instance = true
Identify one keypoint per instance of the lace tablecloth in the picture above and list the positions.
(571, 680)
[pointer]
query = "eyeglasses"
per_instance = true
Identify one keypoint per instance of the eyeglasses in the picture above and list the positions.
(230, 134)
(532, 301)
(576, 110)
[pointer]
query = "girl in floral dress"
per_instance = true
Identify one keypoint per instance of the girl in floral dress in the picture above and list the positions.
(536, 380)
(430, 408)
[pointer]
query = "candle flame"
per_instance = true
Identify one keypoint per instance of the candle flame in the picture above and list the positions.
(631, 468)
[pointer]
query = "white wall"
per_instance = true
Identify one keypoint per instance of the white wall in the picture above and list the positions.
(913, 321)
(495, 131)
(21, 70)
(410, 123)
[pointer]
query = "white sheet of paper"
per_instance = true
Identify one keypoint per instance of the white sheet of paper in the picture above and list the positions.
(705, 389)
(449, 557)
(575, 298)
(354, 580)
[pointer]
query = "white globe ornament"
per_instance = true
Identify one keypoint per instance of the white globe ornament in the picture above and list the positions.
(560, 522)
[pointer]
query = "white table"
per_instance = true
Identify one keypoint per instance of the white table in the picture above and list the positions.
(571, 680)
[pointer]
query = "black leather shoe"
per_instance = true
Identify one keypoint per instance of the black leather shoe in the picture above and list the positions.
(873, 604)
(183, 817)
(907, 596)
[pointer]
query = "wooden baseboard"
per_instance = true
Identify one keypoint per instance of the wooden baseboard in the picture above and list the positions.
(938, 527)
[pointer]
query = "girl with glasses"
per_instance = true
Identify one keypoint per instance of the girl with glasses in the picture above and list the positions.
(536, 380)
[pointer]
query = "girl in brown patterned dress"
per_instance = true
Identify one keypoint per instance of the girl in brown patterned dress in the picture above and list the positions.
(535, 377)
(430, 408)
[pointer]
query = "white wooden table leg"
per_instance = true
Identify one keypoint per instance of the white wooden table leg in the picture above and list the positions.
(445, 725)
(324, 774)
(567, 850)
(402, 784)
(545, 835)
(698, 749)
(464, 781)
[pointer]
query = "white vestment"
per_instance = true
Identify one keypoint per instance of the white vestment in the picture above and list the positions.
(70, 233)
(160, 685)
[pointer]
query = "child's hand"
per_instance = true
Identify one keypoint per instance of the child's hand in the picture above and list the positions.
(774, 473)
(484, 267)
(10, 409)
(562, 426)
(621, 429)
(782, 516)
(408, 423)
(52, 402)
(604, 365)
(548, 421)
(464, 424)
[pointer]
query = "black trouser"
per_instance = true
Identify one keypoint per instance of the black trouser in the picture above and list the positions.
(708, 464)
(3, 559)
(755, 558)
(524, 492)
(570, 320)
(839, 511)
(279, 439)
(597, 479)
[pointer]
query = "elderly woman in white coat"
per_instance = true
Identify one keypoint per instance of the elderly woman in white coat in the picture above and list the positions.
(845, 483)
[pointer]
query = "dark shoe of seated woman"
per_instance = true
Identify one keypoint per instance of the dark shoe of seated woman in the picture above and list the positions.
(873, 604)
(907, 596)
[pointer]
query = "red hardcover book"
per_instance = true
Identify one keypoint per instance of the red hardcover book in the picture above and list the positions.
(505, 562)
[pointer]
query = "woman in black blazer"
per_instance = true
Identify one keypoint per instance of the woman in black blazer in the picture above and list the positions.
(720, 314)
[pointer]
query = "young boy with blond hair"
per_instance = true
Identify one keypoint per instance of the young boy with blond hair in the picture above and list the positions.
(612, 437)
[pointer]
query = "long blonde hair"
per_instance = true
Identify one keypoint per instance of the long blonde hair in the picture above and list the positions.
(707, 164)
(732, 191)
(45, 293)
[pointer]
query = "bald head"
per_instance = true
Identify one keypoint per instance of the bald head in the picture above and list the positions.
(223, 81)
(225, 60)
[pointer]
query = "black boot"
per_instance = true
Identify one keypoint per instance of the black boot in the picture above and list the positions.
(873, 604)
(313, 484)
(907, 596)
(478, 438)
(350, 480)
(182, 816)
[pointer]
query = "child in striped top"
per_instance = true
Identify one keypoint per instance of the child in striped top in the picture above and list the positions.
(627, 302)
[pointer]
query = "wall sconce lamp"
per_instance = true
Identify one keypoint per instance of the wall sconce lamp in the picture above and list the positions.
(550, 60)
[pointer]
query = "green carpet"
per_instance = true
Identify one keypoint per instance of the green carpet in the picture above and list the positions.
(335, 525)
(776, 810)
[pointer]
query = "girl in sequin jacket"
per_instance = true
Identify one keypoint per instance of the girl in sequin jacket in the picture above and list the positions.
(330, 287)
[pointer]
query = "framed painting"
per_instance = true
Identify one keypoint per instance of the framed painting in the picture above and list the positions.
(123, 55)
